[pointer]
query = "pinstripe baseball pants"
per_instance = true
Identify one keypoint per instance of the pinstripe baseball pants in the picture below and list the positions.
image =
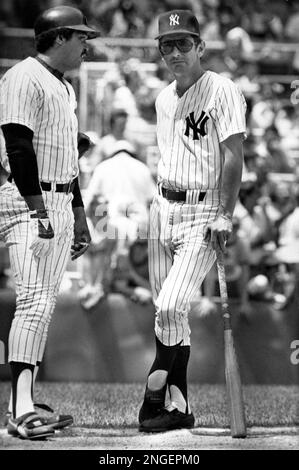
(37, 279)
(179, 260)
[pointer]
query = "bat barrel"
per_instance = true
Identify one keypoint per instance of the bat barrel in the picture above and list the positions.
(232, 374)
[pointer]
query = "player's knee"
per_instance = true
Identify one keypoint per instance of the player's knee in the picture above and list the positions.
(36, 305)
(176, 306)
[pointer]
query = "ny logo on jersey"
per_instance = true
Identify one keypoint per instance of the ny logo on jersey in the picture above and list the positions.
(198, 127)
(174, 19)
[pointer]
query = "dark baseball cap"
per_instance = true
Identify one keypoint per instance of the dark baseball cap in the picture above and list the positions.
(178, 21)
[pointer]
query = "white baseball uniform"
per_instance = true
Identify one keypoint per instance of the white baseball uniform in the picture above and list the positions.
(189, 131)
(32, 96)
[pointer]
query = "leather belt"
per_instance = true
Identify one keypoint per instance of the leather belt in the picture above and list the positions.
(172, 195)
(59, 187)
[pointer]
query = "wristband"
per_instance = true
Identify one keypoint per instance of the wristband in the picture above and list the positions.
(225, 214)
(38, 214)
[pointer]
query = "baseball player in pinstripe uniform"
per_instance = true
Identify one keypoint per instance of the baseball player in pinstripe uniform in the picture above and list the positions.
(42, 218)
(200, 130)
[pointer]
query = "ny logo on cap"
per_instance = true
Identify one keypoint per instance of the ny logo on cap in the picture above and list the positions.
(174, 19)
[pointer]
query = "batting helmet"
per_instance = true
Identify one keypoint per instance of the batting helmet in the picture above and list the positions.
(63, 17)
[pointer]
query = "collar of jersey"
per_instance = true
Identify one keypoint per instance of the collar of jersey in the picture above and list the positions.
(55, 72)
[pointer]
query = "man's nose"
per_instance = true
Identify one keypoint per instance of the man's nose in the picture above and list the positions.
(176, 51)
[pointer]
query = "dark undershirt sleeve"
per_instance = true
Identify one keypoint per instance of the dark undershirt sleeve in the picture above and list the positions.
(22, 158)
(77, 201)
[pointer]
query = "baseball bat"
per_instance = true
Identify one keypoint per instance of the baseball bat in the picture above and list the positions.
(232, 373)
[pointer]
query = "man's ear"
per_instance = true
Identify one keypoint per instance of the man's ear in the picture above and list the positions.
(60, 39)
(201, 47)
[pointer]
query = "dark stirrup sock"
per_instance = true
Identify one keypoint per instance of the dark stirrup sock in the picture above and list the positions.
(16, 369)
(165, 356)
(178, 373)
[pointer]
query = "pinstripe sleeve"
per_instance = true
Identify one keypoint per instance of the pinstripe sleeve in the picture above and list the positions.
(230, 111)
(18, 100)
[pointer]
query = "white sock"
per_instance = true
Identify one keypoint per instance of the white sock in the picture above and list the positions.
(157, 379)
(177, 400)
(10, 398)
(10, 403)
(24, 403)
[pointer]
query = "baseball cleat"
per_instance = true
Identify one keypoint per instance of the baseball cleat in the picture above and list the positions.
(55, 422)
(167, 421)
(29, 426)
(152, 405)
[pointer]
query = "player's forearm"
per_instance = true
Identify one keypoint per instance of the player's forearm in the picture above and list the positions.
(231, 181)
(79, 213)
(35, 202)
(231, 176)
(77, 200)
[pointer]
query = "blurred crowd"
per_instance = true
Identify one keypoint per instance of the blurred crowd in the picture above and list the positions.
(119, 161)
(262, 19)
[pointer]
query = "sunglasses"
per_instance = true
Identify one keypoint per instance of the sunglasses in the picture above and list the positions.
(183, 45)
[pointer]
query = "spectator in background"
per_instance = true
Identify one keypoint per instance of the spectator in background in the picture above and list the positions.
(96, 266)
(210, 27)
(151, 11)
(124, 95)
(254, 222)
(123, 186)
(292, 24)
(127, 20)
(287, 124)
(229, 15)
(262, 114)
(101, 151)
(8, 16)
(282, 202)
(101, 12)
(277, 158)
(127, 186)
(239, 62)
(141, 129)
(289, 227)
(262, 21)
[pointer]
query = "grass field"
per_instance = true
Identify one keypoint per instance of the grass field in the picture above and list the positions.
(113, 409)
(116, 405)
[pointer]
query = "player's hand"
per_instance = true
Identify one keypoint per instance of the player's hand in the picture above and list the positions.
(78, 248)
(42, 233)
(219, 231)
(82, 237)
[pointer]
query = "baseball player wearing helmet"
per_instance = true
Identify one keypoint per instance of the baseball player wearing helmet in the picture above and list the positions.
(200, 129)
(42, 218)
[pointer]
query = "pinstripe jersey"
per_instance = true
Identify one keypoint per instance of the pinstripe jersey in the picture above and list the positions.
(190, 129)
(32, 96)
